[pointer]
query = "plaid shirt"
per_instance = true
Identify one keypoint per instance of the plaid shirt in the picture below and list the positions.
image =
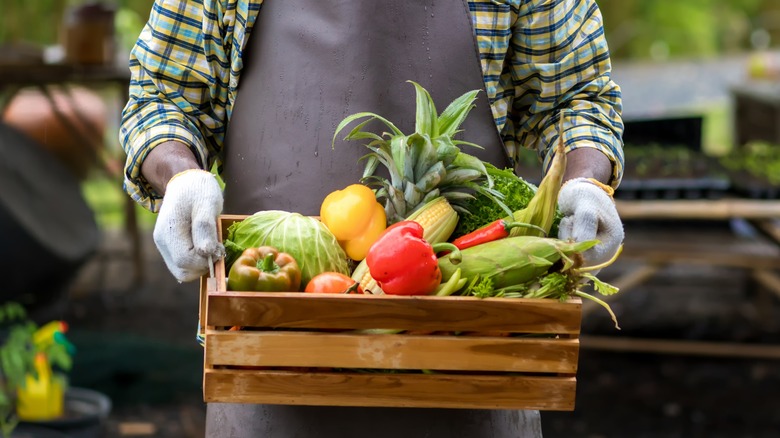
(538, 57)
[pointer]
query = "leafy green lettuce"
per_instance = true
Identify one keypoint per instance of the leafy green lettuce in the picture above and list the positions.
(517, 194)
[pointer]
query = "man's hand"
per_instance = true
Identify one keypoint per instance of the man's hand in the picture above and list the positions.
(186, 229)
(589, 213)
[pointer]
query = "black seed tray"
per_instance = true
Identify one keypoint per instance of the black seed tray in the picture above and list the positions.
(756, 191)
(751, 186)
(672, 188)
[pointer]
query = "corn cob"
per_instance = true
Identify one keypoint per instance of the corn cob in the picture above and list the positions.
(438, 219)
(541, 210)
(516, 260)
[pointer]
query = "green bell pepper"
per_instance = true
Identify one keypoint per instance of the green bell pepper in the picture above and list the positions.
(264, 269)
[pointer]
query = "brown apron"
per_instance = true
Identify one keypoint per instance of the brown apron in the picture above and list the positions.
(309, 64)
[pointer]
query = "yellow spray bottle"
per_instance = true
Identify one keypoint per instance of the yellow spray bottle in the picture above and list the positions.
(42, 397)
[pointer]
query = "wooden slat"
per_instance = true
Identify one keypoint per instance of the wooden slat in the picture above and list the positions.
(769, 227)
(698, 209)
(704, 255)
(768, 279)
(681, 347)
(482, 360)
(227, 220)
(202, 302)
(391, 390)
(464, 353)
(332, 311)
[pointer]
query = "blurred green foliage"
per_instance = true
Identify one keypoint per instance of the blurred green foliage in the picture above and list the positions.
(39, 21)
(662, 29)
(636, 29)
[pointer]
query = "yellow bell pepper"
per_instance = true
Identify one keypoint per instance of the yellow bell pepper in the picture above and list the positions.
(355, 217)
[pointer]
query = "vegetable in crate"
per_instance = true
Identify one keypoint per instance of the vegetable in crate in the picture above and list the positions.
(306, 239)
(333, 283)
(495, 230)
(535, 207)
(403, 263)
(264, 269)
(529, 267)
(516, 260)
(425, 164)
(430, 178)
(355, 217)
(437, 218)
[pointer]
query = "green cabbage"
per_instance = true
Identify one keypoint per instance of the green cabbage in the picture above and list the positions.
(307, 239)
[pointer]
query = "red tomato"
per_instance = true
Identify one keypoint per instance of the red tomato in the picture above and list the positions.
(332, 283)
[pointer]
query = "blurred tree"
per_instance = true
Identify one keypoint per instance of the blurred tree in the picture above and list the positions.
(767, 20)
(658, 29)
(38, 22)
(30, 21)
(636, 29)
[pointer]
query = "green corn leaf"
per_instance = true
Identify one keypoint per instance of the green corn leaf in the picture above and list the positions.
(455, 113)
(601, 287)
(602, 303)
(426, 119)
(538, 261)
(583, 245)
(568, 262)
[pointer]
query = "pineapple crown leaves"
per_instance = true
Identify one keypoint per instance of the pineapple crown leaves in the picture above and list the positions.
(424, 164)
(357, 133)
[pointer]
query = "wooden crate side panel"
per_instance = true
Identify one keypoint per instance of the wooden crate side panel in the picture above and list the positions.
(464, 353)
(225, 221)
(329, 311)
(391, 390)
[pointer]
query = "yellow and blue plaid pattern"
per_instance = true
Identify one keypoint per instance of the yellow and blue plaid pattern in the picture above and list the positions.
(540, 59)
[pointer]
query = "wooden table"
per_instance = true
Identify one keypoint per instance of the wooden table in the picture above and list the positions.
(15, 77)
(762, 214)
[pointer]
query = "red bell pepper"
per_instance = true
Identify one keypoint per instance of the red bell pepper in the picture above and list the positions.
(403, 263)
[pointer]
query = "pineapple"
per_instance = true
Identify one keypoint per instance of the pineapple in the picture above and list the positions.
(430, 178)
(425, 164)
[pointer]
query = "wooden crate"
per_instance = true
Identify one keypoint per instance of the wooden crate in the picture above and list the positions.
(298, 350)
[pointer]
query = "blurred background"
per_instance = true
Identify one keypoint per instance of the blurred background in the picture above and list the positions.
(697, 352)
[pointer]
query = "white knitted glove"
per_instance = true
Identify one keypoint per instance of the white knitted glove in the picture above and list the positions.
(589, 213)
(186, 229)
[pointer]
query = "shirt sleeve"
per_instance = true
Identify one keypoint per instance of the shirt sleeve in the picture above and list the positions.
(561, 67)
(184, 72)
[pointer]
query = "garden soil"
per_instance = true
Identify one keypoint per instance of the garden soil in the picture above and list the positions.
(136, 343)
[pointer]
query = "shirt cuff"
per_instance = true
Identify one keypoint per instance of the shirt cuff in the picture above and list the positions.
(135, 184)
